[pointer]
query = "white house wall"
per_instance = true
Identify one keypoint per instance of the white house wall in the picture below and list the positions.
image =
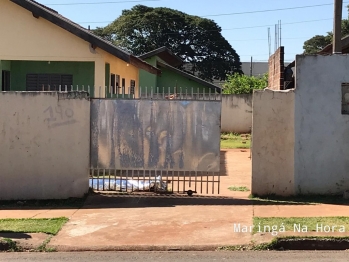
(273, 142)
(44, 146)
(321, 131)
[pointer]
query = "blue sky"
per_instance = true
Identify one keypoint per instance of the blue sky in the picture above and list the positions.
(247, 33)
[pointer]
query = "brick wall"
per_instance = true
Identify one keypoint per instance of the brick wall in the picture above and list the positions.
(276, 70)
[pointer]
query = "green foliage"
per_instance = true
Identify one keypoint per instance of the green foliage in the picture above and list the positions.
(319, 42)
(238, 188)
(194, 39)
(316, 43)
(234, 141)
(243, 84)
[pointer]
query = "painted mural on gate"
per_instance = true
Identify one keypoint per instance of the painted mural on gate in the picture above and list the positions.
(155, 135)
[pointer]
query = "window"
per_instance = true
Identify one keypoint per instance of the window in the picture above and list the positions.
(132, 87)
(48, 82)
(5, 85)
(345, 99)
(117, 82)
(112, 84)
(123, 85)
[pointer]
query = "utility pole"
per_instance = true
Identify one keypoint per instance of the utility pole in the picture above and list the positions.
(337, 27)
(251, 67)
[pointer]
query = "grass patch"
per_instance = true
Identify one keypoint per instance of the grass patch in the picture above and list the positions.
(278, 243)
(265, 224)
(41, 225)
(43, 247)
(303, 199)
(235, 141)
(9, 245)
(238, 188)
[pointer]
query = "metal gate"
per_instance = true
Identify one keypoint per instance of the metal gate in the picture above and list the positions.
(163, 143)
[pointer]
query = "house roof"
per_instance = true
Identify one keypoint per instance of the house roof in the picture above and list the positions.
(345, 47)
(165, 54)
(39, 10)
(191, 77)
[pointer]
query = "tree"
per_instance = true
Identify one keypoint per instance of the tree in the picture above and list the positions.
(319, 42)
(316, 43)
(196, 40)
(243, 84)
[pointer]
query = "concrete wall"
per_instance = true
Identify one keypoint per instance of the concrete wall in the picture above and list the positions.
(276, 70)
(236, 113)
(44, 146)
(273, 142)
(322, 132)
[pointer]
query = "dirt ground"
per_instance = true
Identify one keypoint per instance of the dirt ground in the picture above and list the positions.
(235, 171)
(236, 168)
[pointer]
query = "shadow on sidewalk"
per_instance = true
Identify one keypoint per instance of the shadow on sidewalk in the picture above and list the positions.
(142, 201)
(14, 235)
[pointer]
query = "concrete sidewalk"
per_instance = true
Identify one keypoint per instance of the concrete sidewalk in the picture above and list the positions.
(159, 223)
(152, 223)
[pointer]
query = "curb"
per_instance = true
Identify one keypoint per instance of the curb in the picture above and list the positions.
(278, 244)
(64, 248)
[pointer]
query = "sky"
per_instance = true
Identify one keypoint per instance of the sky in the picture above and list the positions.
(244, 23)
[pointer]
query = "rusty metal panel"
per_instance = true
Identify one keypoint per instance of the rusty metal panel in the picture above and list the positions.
(155, 135)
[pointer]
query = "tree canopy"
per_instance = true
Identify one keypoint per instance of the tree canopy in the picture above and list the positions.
(243, 84)
(194, 39)
(319, 42)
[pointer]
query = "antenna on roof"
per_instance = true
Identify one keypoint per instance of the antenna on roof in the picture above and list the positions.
(280, 31)
(269, 41)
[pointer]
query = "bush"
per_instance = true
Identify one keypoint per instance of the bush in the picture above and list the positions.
(243, 84)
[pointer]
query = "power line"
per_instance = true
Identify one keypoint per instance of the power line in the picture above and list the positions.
(263, 39)
(271, 10)
(212, 15)
(103, 3)
(290, 23)
(259, 26)
(247, 27)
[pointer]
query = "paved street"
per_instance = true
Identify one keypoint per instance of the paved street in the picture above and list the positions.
(179, 256)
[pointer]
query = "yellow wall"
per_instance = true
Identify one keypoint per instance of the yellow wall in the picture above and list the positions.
(27, 38)
(123, 69)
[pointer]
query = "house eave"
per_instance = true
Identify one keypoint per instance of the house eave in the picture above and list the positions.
(95, 41)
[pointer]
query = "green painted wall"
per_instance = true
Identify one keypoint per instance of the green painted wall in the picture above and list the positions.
(83, 72)
(171, 79)
(0, 76)
(6, 65)
(168, 79)
(146, 79)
